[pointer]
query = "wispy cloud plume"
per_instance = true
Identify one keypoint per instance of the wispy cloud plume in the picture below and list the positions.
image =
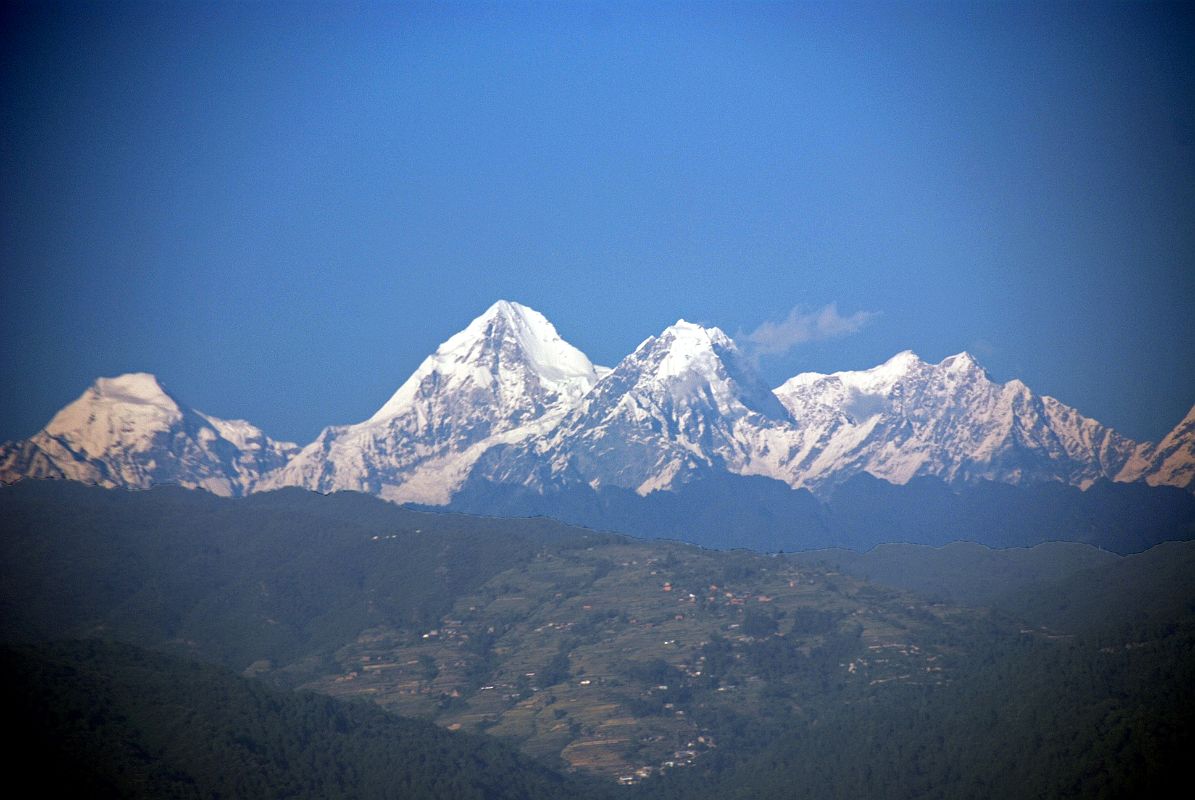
(800, 326)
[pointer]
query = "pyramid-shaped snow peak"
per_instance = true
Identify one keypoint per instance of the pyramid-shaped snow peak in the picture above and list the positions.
(506, 376)
(123, 412)
(511, 353)
(690, 366)
(128, 432)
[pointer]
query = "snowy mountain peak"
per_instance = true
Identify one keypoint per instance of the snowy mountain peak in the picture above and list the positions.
(904, 366)
(906, 418)
(684, 327)
(133, 387)
(690, 334)
(687, 347)
(128, 431)
(516, 314)
(877, 379)
(902, 360)
(684, 402)
(960, 362)
(508, 336)
(507, 308)
(506, 376)
(552, 358)
(115, 412)
(894, 369)
(690, 364)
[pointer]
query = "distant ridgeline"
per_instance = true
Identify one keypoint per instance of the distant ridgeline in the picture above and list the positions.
(905, 672)
(728, 511)
(681, 438)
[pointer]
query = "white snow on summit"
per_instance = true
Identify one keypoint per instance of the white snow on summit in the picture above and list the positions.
(685, 401)
(559, 368)
(128, 432)
(507, 400)
(115, 413)
(506, 376)
(906, 418)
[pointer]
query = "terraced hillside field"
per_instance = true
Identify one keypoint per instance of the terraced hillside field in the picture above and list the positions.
(626, 658)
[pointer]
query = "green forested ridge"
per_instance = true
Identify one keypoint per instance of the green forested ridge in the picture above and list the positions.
(1107, 716)
(964, 572)
(719, 674)
(1067, 586)
(118, 721)
(1157, 586)
(286, 576)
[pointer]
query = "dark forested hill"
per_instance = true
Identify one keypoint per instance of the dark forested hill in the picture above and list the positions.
(1106, 716)
(966, 573)
(1150, 588)
(286, 576)
(111, 720)
(1066, 586)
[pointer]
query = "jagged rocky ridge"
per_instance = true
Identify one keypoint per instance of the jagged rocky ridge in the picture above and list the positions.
(508, 402)
(1170, 462)
(684, 402)
(906, 419)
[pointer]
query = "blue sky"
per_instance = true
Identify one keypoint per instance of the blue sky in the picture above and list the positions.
(280, 209)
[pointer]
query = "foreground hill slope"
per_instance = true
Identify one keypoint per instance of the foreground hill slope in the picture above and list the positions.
(119, 721)
(691, 673)
(1107, 716)
(284, 577)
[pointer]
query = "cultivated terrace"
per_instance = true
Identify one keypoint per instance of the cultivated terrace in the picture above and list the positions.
(626, 659)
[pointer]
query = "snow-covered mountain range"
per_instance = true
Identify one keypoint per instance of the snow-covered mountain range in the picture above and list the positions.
(684, 402)
(906, 418)
(507, 401)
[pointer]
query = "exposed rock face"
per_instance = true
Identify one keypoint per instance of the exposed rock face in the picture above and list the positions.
(1170, 462)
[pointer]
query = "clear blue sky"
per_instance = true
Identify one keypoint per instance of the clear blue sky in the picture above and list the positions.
(281, 209)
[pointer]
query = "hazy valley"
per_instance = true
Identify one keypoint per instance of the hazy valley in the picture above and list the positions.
(683, 671)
